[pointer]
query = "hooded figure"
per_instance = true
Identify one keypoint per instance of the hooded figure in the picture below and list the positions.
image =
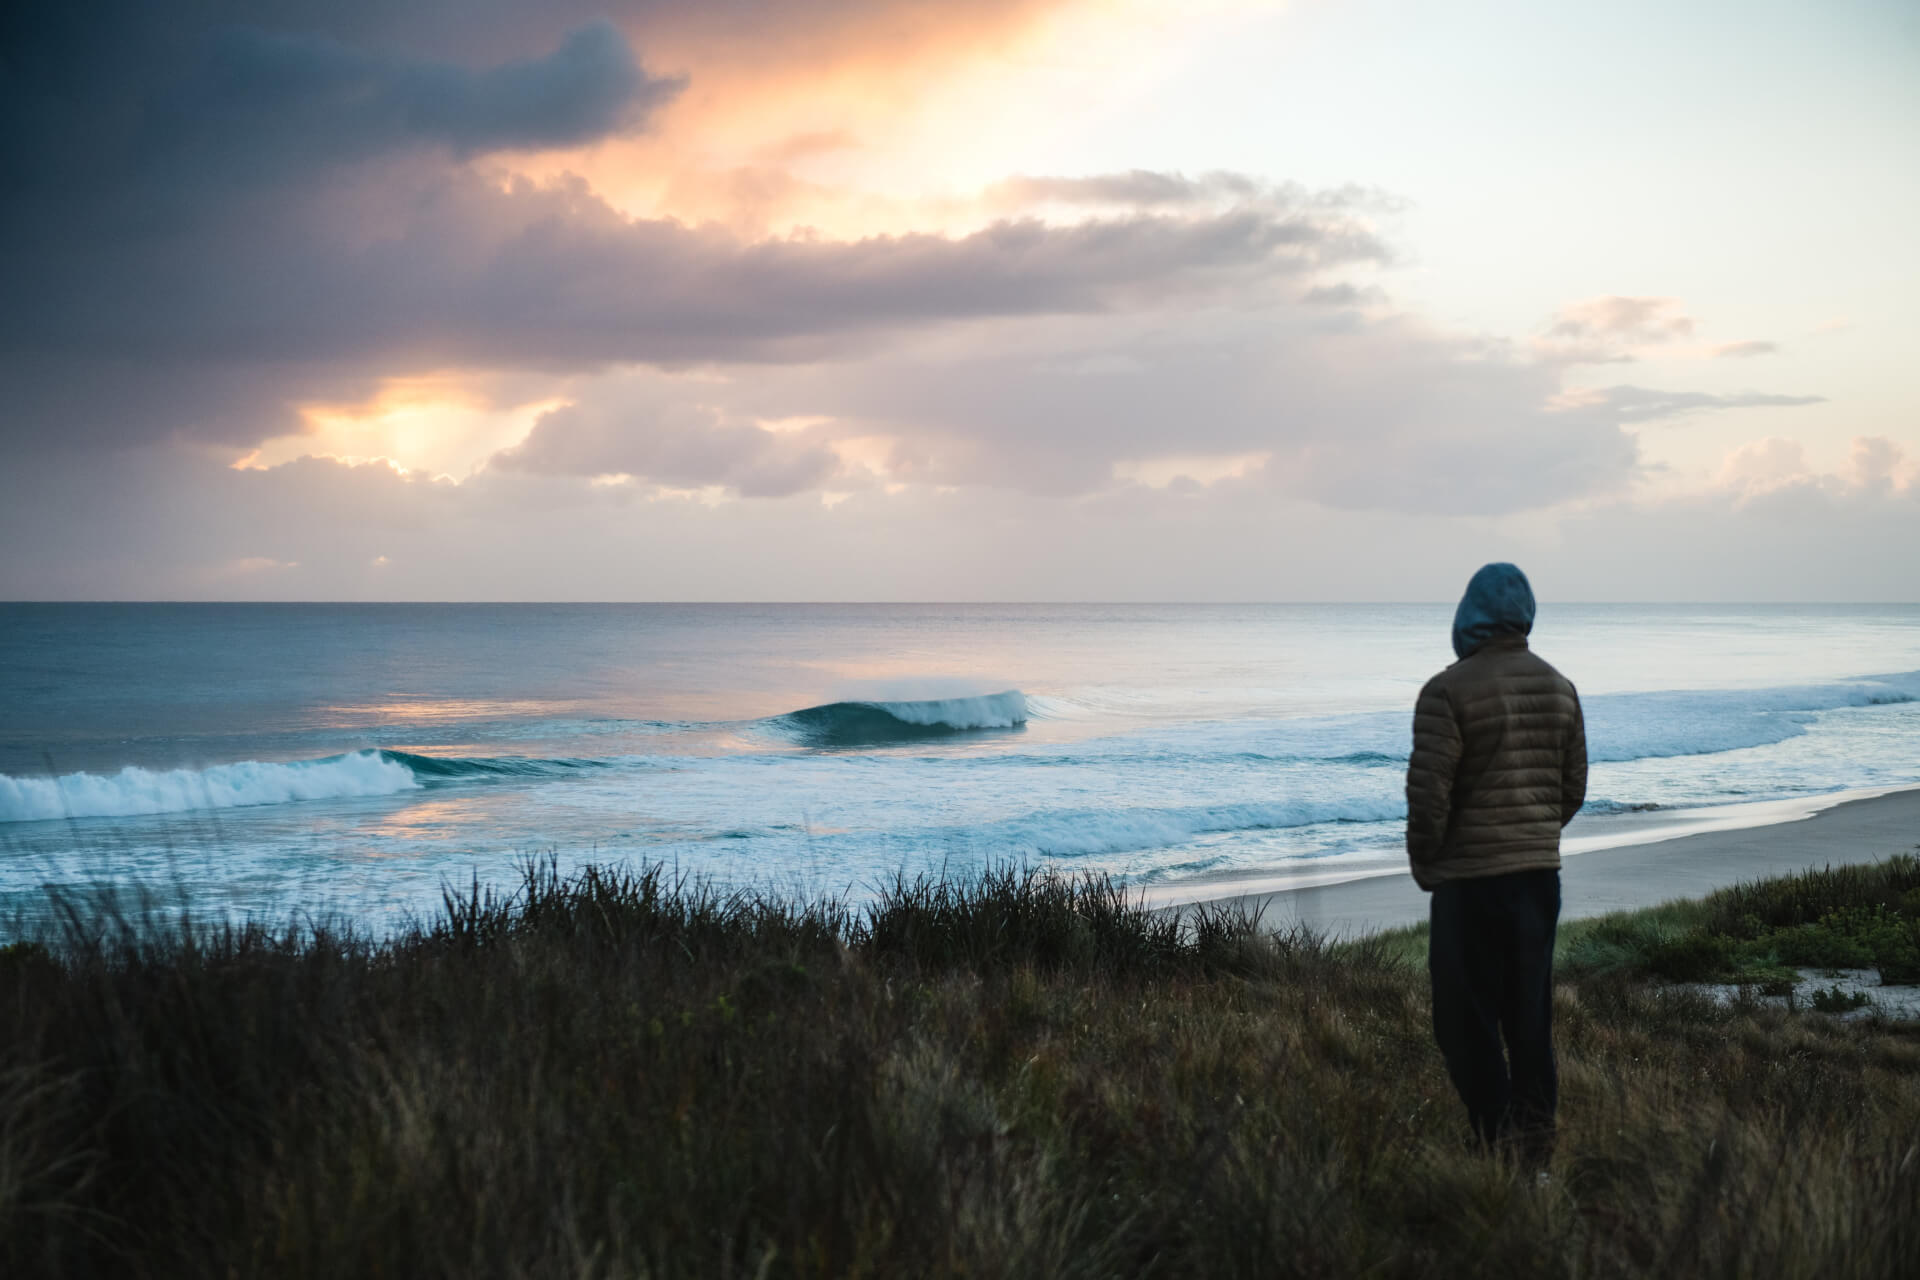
(1499, 601)
(1499, 766)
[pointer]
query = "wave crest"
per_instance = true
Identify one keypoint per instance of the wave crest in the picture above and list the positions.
(434, 768)
(1691, 722)
(843, 724)
(134, 791)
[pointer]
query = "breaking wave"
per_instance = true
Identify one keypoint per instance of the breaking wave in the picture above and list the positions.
(848, 724)
(430, 768)
(1621, 727)
(1641, 726)
(134, 791)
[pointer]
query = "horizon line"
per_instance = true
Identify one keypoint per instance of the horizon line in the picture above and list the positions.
(1086, 603)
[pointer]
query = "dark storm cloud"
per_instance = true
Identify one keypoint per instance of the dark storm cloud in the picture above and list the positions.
(395, 270)
(277, 298)
(208, 217)
(460, 269)
(134, 101)
(281, 101)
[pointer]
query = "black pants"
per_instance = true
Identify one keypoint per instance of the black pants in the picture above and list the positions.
(1491, 957)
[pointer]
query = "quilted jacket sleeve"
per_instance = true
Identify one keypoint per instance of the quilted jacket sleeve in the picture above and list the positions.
(1430, 770)
(1573, 767)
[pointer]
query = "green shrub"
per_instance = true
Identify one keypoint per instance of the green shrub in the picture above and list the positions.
(1900, 969)
(1818, 946)
(1693, 957)
(1811, 895)
(1834, 1000)
(1853, 937)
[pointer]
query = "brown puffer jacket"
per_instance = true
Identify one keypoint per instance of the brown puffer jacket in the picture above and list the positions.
(1499, 766)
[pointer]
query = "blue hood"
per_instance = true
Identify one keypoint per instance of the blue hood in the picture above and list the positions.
(1499, 601)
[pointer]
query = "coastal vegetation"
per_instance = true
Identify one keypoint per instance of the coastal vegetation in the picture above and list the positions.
(620, 1073)
(1761, 933)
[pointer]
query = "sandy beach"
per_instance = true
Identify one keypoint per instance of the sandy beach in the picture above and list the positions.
(1614, 871)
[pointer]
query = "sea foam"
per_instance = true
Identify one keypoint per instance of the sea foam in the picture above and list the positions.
(1089, 832)
(134, 790)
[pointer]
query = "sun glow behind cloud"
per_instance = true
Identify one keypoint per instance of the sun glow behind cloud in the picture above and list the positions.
(434, 424)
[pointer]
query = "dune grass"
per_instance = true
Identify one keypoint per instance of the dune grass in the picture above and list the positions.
(1851, 917)
(620, 1074)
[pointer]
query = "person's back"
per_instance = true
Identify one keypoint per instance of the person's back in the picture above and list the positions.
(1499, 766)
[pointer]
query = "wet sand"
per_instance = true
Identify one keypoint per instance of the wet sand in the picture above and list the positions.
(1630, 876)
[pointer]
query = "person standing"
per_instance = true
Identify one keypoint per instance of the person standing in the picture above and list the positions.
(1499, 766)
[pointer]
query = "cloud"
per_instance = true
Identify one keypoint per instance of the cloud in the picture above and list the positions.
(1138, 188)
(1743, 350)
(215, 209)
(162, 522)
(812, 142)
(1878, 466)
(1343, 295)
(177, 107)
(1378, 413)
(676, 446)
(1876, 469)
(1644, 404)
(1632, 320)
(1382, 415)
(1761, 466)
(294, 100)
(397, 272)
(1154, 190)
(218, 211)
(1606, 330)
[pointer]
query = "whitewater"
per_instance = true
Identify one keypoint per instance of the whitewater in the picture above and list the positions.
(359, 758)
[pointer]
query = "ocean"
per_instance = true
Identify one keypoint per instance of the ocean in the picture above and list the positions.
(355, 760)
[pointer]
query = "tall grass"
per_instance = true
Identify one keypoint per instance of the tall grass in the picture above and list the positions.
(1865, 916)
(627, 1074)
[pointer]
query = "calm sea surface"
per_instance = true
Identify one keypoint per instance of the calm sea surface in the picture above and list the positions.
(357, 757)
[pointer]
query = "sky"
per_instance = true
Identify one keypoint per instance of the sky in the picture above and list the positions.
(1209, 300)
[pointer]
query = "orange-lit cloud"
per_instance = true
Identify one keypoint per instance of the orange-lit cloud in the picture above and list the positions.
(438, 424)
(855, 119)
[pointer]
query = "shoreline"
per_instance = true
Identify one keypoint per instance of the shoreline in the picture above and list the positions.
(1618, 870)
